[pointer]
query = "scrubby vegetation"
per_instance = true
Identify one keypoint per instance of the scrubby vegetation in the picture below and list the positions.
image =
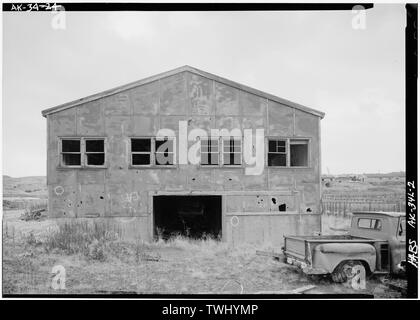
(35, 211)
(81, 237)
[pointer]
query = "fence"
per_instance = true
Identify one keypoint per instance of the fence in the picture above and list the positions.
(346, 207)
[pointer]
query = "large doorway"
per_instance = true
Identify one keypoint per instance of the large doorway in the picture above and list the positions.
(190, 216)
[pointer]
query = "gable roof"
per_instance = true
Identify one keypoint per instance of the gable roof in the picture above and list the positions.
(210, 76)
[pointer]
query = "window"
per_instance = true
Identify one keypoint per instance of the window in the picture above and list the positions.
(148, 151)
(70, 152)
(367, 223)
(277, 156)
(298, 153)
(232, 151)
(141, 152)
(288, 153)
(95, 152)
(209, 151)
(82, 152)
(164, 151)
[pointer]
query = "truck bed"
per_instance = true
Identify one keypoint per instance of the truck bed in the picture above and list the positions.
(300, 247)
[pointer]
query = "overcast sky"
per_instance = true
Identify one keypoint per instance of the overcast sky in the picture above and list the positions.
(314, 58)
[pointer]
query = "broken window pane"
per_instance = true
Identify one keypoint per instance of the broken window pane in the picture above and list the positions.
(71, 159)
(139, 159)
(277, 159)
(95, 145)
(298, 153)
(141, 145)
(70, 149)
(95, 159)
(95, 152)
(141, 149)
(68, 145)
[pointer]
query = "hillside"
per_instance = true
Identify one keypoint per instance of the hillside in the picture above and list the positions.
(25, 187)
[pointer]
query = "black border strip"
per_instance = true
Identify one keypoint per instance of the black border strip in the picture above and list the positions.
(90, 6)
(154, 309)
(255, 297)
(411, 70)
(411, 118)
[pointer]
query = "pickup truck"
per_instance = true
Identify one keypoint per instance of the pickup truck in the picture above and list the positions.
(375, 242)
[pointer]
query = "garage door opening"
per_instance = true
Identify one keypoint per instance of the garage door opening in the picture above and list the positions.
(191, 216)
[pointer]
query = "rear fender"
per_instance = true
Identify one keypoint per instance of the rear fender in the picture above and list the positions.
(329, 255)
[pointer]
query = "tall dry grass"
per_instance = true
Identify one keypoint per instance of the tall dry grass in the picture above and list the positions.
(88, 238)
(99, 240)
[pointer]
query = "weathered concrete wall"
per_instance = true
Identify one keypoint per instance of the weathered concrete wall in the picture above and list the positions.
(268, 228)
(121, 191)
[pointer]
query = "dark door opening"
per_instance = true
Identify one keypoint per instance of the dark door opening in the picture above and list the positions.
(191, 216)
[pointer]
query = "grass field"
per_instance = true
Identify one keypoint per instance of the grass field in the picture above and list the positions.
(180, 266)
(98, 262)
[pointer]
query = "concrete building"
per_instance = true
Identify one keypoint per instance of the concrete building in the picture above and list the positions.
(107, 163)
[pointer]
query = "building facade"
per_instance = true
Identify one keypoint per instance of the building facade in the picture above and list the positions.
(144, 157)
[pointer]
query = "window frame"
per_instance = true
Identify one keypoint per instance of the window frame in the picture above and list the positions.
(308, 151)
(218, 152)
(85, 153)
(61, 153)
(152, 153)
(286, 152)
(174, 165)
(83, 158)
(288, 162)
(222, 151)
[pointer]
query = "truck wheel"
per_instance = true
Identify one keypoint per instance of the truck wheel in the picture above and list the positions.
(343, 271)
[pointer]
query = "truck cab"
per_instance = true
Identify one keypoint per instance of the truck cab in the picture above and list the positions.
(376, 242)
(388, 229)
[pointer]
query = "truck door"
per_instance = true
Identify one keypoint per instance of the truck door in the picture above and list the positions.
(398, 246)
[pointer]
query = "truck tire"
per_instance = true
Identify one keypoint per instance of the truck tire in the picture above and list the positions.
(343, 271)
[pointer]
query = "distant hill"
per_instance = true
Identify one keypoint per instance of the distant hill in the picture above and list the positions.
(388, 174)
(25, 186)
